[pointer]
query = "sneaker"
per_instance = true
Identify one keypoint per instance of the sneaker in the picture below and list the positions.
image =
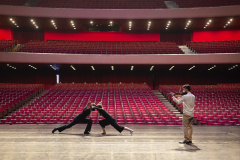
(103, 133)
(131, 132)
(190, 142)
(184, 142)
(86, 133)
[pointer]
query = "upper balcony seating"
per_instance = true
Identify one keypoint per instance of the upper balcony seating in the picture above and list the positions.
(101, 47)
(122, 4)
(215, 46)
(5, 44)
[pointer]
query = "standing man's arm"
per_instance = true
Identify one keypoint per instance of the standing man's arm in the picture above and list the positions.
(178, 101)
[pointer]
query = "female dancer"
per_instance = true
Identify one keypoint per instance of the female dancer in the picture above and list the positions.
(81, 118)
(109, 120)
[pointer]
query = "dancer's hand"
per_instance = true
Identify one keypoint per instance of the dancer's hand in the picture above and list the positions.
(89, 103)
(100, 103)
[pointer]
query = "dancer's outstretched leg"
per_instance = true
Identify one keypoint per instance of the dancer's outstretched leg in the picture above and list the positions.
(128, 129)
(62, 128)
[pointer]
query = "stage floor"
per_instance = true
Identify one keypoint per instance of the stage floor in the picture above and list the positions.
(36, 142)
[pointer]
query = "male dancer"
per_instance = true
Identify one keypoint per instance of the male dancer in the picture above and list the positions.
(81, 118)
(188, 101)
(109, 120)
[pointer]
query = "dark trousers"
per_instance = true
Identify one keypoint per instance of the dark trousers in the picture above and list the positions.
(113, 122)
(76, 121)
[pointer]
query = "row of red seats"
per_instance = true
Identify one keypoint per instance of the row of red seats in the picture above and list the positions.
(5, 44)
(123, 4)
(215, 46)
(13, 96)
(96, 47)
(215, 104)
(128, 103)
(103, 4)
(205, 3)
(13, 2)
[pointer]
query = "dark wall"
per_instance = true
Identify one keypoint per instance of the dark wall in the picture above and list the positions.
(153, 79)
(179, 38)
(26, 36)
(197, 77)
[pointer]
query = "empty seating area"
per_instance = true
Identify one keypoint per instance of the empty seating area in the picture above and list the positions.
(216, 105)
(5, 44)
(13, 96)
(123, 4)
(103, 4)
(101, 47)
(215, 46)
(13, 2)
(128, 103)
(205, 3)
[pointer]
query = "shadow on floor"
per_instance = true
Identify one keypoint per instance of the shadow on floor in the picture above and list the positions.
(188, 148)
(92, 135)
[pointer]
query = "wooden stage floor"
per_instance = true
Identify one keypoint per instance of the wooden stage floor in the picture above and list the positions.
(36, 142)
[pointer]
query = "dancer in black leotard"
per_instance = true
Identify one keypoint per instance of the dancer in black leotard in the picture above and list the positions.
(81, 118)
(109, 120)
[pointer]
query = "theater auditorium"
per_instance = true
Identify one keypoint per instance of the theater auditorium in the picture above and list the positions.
(167, 71)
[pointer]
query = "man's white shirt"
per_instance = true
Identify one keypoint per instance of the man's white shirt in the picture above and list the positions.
(188, 101)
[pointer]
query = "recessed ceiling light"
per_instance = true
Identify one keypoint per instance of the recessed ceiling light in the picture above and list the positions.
(191, 68)
(171, 68)
(132, 68)
(11, 66)
(151, 68)
(73, 67)
(112, 68)
(212, 67)
(92, 68)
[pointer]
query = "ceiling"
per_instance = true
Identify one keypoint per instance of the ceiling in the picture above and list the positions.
(80, 67)
(139, 25)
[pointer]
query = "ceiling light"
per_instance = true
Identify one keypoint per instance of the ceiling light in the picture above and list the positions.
(212, 67)
(32, 66)
(129, 25)
(151, 68)
(132, 68)
(73, 67)
(191, 68)
(93, 68)
(13, 22)
(233, 67)
(171, 68)
(53, 67)
(11, 66)
(112, 68)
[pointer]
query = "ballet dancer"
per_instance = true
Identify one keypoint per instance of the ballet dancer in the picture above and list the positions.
(109, 120)
(81, 118)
